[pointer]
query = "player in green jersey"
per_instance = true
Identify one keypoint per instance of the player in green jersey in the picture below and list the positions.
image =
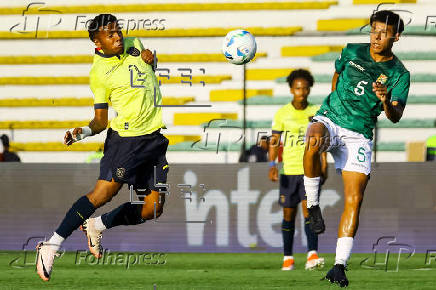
(291, 122)
(369, 79)
(134, 150)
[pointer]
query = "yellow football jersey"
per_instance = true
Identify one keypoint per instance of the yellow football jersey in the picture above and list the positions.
(292, 124)
(131, 86)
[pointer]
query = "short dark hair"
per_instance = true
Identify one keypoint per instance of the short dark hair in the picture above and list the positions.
(5, 140)
(100, 20)
(390, 18)
(300, 74)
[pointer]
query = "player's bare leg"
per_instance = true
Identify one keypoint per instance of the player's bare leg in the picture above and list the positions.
(153, 205)
(317, 140)
(125, 214)
(313, 260)
(82, 209)
(288, 231)
(103, 192)
(354, 188)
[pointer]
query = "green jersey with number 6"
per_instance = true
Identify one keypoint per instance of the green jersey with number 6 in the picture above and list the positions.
(353, 105)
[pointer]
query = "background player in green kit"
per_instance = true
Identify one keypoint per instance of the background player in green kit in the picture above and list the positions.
(134, 150)
(369, 79)
(291, 122)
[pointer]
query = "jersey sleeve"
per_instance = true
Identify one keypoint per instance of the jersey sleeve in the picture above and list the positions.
(138, 44)
(400, 91)
(277, 125)
(341, 61)
(100, 91)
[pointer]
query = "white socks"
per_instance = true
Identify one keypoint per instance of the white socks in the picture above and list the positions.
(343, 250)
(98, 224)
(55, 241)
(311, 185)
(288, 257)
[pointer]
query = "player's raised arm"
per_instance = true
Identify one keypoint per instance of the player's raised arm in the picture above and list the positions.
(101, 105)
(393, 110)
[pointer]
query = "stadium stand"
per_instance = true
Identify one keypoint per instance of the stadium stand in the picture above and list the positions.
(175, 32)
(45, 91)
(229, 95)
(77, 102)
(341, 24)
(64, 59)
(178, 7)
(85, 80)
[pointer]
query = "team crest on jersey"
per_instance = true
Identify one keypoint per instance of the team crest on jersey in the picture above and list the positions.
(382, 79)
(133, 51)
(282, 198)
(120, 172)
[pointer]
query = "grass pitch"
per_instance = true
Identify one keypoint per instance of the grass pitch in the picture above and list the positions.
(213, 271)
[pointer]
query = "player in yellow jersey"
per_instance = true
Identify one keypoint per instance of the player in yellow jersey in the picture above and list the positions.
(291, 121)
(134, 150)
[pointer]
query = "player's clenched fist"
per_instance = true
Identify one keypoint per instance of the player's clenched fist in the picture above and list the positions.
(381, 91)
(273, 173)
(147, 56)
(71, 137)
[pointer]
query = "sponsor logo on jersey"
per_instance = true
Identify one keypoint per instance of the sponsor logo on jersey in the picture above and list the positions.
(382, 79)
(133, 51)
(359, 67)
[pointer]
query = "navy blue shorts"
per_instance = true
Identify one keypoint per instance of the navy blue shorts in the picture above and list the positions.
(134, 160)
(292, 190)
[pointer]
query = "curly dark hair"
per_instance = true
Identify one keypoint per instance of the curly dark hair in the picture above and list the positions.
(100, 20)
(300, 74)
(390, 18)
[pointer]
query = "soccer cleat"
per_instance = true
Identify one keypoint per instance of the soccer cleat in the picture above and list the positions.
(315, 219)
(288, 264)
(44, 261)
(337, 275)
(313, 261)
(94, 238)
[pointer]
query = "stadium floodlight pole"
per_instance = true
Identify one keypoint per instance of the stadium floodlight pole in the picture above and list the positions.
(244, 116)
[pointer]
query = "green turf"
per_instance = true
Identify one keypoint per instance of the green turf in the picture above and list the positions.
(215, 271)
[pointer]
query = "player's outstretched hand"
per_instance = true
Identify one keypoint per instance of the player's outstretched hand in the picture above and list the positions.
(381, 91)
(273, 173)
(147, 56)
(71, 137)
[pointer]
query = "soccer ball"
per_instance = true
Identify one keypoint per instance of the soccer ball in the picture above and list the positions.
(239, 46)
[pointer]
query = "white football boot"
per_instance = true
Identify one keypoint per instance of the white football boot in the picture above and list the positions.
(44, 261)
(94, 237)
(313, 261)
